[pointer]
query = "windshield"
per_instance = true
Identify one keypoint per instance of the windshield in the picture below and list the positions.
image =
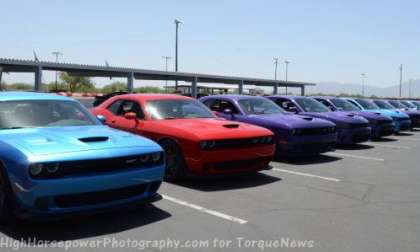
(397, 104)
(383, 104)
(408, 104)
(344, 105)
(177, 109)
(43, 113)
(311, 105)
(258, 106)
(367, 104)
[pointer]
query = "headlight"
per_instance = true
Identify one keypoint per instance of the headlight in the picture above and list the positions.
(144, 158)
(156, 157)
(52, 167)
(207, 144)
(36, 169)
(269, 139)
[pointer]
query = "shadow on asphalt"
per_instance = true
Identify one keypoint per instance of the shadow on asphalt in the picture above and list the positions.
(404, 134)
(355, 147)
(228, 182)
(84, 226)
(384, 139)
(319, 159)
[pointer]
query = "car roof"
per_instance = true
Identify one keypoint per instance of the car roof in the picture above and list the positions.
(232, 96)
(21, 95)
(149, 97)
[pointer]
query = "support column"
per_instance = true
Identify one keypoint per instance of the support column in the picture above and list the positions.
(194, 87)
(38, 79)
(302, 91)
(275, 89)
(241, 87)
(130, 82)
(1, 75)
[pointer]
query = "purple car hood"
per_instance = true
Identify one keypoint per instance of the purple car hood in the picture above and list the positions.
(290, 120)
(338, 116)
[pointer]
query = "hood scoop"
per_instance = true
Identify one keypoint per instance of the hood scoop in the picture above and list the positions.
(351, 115)
(231, 125)
(94, 139)
(307, 118)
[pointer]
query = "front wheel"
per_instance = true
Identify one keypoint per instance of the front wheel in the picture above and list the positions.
(6, 199)
(175, 163)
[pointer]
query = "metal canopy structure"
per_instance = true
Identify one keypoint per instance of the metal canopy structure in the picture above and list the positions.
(17, 65)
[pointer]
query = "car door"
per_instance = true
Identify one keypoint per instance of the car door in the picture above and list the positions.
(119, 108)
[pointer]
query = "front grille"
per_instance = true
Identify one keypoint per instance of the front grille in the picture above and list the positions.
(358, 125)
(315, 131)
(400, 119)
(381, 122)
(360, 138)
(92, 198)
(95, 166)
(239, 143)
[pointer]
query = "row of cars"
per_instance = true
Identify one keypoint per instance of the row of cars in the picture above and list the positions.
(57, 158)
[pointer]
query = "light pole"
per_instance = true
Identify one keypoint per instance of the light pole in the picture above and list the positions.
(287, 70)
(276, 62)
(177, 23)
(56, 73)
(1, 75)
(363, 83)
(166, 58)
(410, 81)
(401, 69)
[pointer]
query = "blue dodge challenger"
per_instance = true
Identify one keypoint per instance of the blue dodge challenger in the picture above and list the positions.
(57, 159)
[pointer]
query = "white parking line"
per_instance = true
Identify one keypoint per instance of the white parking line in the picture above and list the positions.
(306, 174)
(390, 146)
(355, 156)
(407, 138)
(205, 210)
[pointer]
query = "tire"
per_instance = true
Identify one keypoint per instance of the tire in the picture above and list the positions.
(175, 163)
(6, 199)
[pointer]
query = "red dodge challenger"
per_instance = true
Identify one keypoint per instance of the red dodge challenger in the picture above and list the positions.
(195, 141)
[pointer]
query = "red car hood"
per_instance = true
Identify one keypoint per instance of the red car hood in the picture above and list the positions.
(210, 128)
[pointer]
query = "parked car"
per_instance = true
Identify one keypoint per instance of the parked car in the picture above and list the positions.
(402, 121)
(195, 141)
(58, 159)
(381, 125)
(398, 106)
(99, 99)
(415, 103)
(351, 128)
(295, 135)
(410, 105)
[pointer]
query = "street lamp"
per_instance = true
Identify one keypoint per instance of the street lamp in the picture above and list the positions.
(166, 58)
(363, 83)
(401, 69)
(177, 23)
(57, 54)
(287, 70)
(276, 62)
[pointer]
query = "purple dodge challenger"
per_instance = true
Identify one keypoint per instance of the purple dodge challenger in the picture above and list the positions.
(351, 128)
(295, 135)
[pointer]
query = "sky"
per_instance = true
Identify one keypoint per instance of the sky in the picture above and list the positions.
(324, 40)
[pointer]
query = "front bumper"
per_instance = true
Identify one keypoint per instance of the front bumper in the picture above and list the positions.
(381, 130)
(352, 136)
(228, 161)
(403, 125)
(306, 145)
(76, 195)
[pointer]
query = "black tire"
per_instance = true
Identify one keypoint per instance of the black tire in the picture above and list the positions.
(6, 199)
(175, 163)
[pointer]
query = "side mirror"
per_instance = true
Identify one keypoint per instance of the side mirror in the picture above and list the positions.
(101, 118)
(130, 116)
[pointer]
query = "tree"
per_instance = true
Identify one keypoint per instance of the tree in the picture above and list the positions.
(77, 83)
(115, 86)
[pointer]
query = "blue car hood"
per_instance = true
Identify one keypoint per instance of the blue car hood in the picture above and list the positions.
(371, 115)
(390, 112)
(54, 140)
(338, 117)
(289, 120)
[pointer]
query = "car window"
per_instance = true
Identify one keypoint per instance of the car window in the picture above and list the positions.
(130, 106)
(43, 113)
(366, 104)
(311, 105)
(258, 106)
(383, 104)
(285, 104)
(326, 103)
(115, 107)
(177, 109)
(344, 105)
(221, 105)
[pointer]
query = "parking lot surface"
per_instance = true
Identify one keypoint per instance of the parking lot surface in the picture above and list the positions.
(364, 198)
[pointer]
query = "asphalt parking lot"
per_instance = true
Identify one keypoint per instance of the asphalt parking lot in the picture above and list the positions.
(364, 198)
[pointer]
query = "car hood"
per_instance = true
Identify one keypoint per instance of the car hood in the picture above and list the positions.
(372, 116)
(338, 117)
(54, 140)
(291, 121)
(208, 129)
(390, 112)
